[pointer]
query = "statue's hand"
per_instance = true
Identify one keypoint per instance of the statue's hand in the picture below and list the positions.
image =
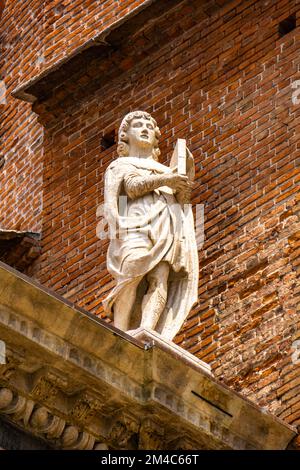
(177, 182)
(190, 165)
(189, 156)
(184, 196)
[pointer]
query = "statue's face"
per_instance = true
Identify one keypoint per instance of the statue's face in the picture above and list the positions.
(141, 133)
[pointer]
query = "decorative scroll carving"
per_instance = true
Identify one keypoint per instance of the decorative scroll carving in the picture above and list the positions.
(13, 404)
(6, 397)
(14, 359)
(123, 429)
(151, 435)
(85, 407)
(44, 390)
(42, 422)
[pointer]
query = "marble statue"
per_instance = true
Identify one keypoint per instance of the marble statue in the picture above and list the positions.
(152, 253)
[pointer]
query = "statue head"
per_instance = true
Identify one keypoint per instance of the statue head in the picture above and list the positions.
(141, 129)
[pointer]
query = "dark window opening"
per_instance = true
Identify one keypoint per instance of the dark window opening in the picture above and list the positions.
(287, 25)
(108, 140)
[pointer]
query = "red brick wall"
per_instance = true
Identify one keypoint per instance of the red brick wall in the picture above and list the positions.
(21, 137)
(45, 32)
(34, 36)
(225, 83)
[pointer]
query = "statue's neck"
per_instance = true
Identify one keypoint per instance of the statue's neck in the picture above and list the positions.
(149, 157)
(139, 152)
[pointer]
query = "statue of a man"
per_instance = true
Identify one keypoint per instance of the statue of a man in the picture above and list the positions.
(152, 253)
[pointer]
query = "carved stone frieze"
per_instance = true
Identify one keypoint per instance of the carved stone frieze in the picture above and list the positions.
(123, 428)
(151, 436)
(40, 421)
(46, 384)
(44, 390)
(72, 438)
(85, 406)
(13, 359)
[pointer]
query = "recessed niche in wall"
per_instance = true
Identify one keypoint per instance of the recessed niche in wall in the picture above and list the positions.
(287, 25)
(108, 140)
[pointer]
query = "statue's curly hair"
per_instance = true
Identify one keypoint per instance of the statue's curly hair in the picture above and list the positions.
(123, 147)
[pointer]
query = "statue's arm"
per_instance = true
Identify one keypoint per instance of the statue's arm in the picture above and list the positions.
(137, 186)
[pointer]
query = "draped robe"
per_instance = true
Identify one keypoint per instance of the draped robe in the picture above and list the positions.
(145, 231)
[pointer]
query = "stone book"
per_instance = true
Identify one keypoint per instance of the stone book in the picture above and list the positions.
(179, 157)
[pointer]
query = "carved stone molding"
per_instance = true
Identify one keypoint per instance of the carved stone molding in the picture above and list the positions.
(41, 422)
(72, 438)
(46, 423)
(17, 407)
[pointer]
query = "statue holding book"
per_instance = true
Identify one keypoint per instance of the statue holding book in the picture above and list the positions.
(152, 253)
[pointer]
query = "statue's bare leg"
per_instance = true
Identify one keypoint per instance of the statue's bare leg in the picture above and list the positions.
(123, 306)
(155, 299)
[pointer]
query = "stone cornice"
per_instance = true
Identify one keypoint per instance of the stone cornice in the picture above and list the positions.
(76, 382)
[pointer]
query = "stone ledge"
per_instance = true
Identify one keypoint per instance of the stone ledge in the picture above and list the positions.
(151, 338)
(78, 383)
